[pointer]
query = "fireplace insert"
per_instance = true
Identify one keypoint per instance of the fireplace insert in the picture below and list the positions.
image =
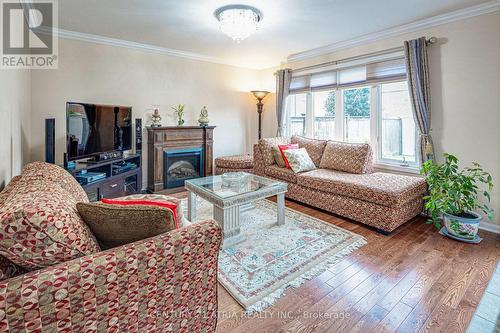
(180, 165)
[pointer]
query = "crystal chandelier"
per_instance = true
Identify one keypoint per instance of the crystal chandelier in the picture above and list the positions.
(238, 21)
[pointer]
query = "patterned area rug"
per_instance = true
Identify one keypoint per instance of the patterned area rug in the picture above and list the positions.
(257, 271)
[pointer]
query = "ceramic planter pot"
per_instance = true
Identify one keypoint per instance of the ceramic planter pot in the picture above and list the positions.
(464, 227)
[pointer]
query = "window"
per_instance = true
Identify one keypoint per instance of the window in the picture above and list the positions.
(397, 140)
(324, 114)
(379, 114)
(361, 100)
(356, 105)
(296, 114)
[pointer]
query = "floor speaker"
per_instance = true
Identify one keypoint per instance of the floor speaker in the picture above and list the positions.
(138, 135)
(50, 140)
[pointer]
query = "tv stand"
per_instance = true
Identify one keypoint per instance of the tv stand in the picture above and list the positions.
(122, 176)
(103, 157)
(95, 161)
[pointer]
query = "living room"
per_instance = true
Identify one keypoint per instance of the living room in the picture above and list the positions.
(315, 164)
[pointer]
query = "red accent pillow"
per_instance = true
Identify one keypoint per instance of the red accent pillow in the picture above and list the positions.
(282, 148)
(163, 204)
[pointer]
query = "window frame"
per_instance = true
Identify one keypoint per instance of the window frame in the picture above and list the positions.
(375, 125)
(313, 120)
(387, 162)
(288, 123)
(343, 138)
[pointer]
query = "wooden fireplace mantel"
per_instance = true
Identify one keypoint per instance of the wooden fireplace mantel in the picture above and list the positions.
(177, 137)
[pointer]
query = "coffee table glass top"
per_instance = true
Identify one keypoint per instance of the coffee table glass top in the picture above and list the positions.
(235, 184)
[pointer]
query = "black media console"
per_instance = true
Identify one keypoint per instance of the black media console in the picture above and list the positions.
(111, 178)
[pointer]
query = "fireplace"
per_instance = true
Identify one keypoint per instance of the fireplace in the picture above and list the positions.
(180, 165)
(164, 143)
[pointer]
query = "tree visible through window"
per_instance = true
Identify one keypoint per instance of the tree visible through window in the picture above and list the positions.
(329, 105)
(356, 103)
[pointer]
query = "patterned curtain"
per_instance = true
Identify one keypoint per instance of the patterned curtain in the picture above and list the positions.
(417, 67)
(283, 78)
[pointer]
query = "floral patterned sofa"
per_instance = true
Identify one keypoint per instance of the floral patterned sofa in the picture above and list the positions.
(344, 182)
(54, 277)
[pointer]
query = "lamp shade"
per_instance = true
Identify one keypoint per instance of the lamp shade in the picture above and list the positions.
(260, 94)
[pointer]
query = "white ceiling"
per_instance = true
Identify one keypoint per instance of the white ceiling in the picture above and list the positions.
(289, 26)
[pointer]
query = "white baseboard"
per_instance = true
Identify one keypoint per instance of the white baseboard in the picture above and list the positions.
(487, 226)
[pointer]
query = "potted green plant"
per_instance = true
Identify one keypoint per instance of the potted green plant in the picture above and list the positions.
(179, 112)
(453, 196)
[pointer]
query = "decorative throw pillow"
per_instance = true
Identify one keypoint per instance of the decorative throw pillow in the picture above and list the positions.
(161, 198)
(347, 157)
(299, 160)
(266, 148)
(167, 205)
(115, 225)
(278, 158)
(283, 148)
(314, 147)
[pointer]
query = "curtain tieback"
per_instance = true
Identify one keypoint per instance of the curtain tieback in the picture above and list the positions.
(428, 150)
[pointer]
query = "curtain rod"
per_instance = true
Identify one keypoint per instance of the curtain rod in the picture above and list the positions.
(431, 40)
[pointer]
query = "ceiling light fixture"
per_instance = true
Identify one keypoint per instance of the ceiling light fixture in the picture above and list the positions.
(238, 21)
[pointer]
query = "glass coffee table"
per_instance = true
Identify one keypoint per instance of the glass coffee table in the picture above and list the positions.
(232, 193)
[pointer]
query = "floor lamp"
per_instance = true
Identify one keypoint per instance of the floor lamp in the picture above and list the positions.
(260, 95)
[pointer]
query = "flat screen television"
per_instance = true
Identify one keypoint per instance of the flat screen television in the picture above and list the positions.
(94, 129)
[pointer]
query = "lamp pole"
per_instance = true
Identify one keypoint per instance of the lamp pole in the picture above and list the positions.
(260, 108)
(260, 95)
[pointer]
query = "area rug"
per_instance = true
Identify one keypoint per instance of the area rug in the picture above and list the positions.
(257, 271)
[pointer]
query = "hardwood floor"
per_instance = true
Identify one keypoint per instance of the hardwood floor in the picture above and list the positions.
(414, 280)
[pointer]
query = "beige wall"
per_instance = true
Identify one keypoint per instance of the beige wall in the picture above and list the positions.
(112, 75)
(15, 119)
(465, 79)
(267, 81)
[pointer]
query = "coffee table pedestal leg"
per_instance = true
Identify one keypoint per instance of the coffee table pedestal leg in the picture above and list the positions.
(281, 208)
(229, 220)
(191, 207)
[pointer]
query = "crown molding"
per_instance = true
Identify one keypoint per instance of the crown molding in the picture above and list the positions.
(461, 14)
(481, 9)
(98, 39)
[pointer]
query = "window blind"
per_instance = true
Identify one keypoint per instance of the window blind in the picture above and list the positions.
(350, 74)
(300, 84)
(391, 69)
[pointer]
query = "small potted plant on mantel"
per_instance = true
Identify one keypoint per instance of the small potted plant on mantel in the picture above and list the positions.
(179, 113)
(453, 196)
